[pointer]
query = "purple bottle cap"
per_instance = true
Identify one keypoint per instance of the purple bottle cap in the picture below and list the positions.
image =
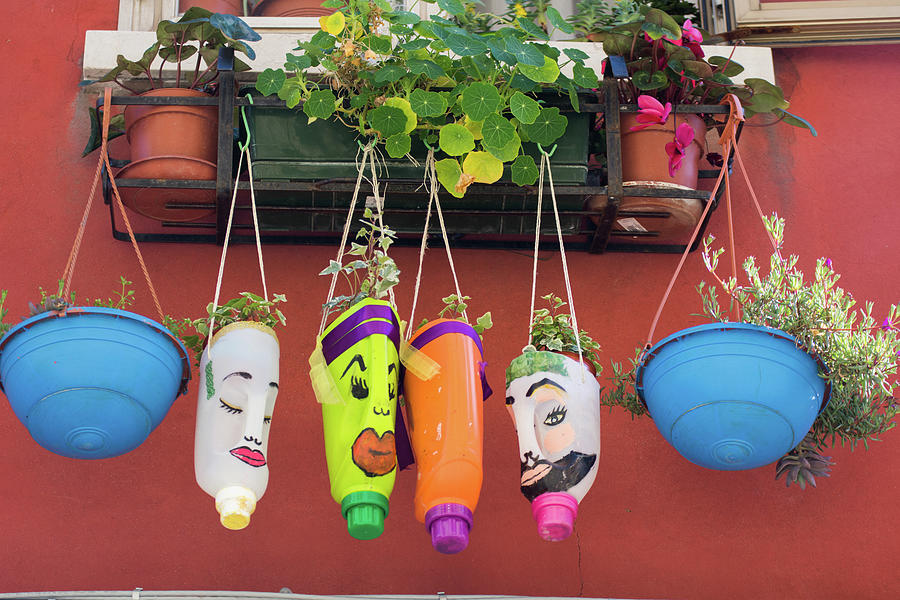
(449, 525)
(555, 514)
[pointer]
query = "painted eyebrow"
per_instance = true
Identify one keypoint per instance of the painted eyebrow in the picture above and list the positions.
(273, 384)
(542, 383)
(241, 374)
(392, 367)
(358, 358)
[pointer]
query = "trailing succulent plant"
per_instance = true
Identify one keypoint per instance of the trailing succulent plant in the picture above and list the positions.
(369, 271)
(859, 354)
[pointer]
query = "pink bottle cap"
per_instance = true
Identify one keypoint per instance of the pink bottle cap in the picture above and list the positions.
(555, 514)
(449, 525)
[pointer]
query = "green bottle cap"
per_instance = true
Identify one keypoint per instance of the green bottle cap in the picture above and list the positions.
(365, 513)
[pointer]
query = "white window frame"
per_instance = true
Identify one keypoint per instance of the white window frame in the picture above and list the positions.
(816, 22)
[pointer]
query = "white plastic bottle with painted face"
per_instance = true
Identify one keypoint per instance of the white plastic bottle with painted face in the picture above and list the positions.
(555, 404)
(238, 387)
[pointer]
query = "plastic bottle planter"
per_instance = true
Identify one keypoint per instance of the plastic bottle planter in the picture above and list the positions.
(91, 382)
(238, 388)
(555, 404)
(445, 422)
(731, 396)
(361, 351)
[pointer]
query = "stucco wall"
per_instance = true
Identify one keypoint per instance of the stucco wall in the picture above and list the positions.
(653, 526)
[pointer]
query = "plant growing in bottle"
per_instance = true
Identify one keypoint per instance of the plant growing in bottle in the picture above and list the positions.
(246, 307)
(454, 307)
(368, 271)
(552, 330)
(473, 95)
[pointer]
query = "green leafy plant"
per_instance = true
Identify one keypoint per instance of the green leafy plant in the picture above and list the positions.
(474, 96)
(245, 307)
(667, 64)
(199, 34)
(552, 330)
(590, 17)
(454, 309)
(533, 10)
(369, 271)
(57, 301)
(859, 354)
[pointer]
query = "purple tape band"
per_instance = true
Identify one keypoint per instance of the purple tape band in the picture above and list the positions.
(338, 347)
(436, 331)
(448, 327)
(368, 311)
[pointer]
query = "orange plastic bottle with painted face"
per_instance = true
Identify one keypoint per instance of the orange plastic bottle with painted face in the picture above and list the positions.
(444, 415)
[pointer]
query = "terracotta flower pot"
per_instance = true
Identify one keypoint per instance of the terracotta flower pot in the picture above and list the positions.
(170, 142)
(291, 8)
(646, 163)
(226, 7)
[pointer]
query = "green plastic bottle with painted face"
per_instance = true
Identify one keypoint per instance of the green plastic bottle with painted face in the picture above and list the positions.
(360, 351)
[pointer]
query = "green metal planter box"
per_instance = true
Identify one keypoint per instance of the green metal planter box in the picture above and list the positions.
(285, 147)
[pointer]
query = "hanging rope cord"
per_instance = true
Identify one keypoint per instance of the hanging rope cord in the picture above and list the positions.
(103, 161)
(368, 157)
(728, 140)
(545, 169)
(245, 150)
(431, 184)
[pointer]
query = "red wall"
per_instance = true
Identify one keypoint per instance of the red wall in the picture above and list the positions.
(653, 526)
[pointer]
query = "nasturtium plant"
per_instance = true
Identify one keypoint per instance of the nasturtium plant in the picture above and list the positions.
(472, 97)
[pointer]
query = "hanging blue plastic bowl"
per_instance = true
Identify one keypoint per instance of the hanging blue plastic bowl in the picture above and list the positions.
(731, 396)
(93, 382)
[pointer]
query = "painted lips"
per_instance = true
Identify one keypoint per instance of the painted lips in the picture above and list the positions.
(254, 458)
(375, 455)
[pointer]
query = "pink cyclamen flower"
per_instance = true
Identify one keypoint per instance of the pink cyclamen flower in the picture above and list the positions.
(691, 33)
(651, 112)
(684, 135)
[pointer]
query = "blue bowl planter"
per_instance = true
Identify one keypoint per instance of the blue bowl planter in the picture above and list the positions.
(731, 396)
(92, 382)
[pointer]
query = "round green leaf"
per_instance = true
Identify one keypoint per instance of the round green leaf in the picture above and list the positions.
(398, 145)
(575, 54)
(389, 74)
(465, 45)
(448, 173)
(484, 167)
(523, 171)
(646, 81)
(456, 140)
(480, 100)
(532, 28)
(403, 104)
(525, 53)
(547, 128)
(545, 74)
(427, 104)
(320, 104)
(523, 108)
(507, 152)
(402, 17)
(557, 21)
(497, 131)
(430, 69)
(585, 77)
(725, 66)
(270, 81)
(387, 120)
(454, 7)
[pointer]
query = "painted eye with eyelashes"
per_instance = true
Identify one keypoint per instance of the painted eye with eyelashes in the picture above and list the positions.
(359, 388)
(234, 410)
(555, 416)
